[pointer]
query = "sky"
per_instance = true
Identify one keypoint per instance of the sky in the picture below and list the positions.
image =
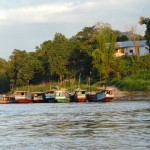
(25, 24)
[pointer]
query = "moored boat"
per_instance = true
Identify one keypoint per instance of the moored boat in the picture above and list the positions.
(7, 99)
(50, 96)
(90, 96)
(62, 96)
(23, 97)
(79, 96)
(106, 95)
(39, 97)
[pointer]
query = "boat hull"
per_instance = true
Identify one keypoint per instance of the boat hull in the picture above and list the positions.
(7, 102)
(51, 100)
(81, 99)
(90, 97)
(62, 100)
(24, 100)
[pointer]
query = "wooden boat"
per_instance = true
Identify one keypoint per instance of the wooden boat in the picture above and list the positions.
(50, 96)
(62, 96)
(90, 96)
(23, 97)
(7, 99)
(79, 96)
(39, 97)
(106, 95)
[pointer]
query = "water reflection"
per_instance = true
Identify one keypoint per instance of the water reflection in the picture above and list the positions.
(110, 126)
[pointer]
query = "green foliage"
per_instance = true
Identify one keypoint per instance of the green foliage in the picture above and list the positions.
(103, 56)
(146, 21)
(4, 82)
(137, 82)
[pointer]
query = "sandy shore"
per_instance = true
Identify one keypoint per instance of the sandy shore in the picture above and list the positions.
(129, 96)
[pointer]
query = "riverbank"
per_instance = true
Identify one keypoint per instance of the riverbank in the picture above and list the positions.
(130, 96)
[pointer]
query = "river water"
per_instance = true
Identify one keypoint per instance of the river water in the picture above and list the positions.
(75, 126)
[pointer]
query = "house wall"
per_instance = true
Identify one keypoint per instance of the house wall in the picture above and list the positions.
(130, 51)
(143, 51)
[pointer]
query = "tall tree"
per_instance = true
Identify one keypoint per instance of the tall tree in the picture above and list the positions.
(4, 81)
(103, 56)
(17, 60)
(146, 21)
(23, 67)
(58, 56)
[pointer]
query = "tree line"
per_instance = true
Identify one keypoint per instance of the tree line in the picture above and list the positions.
(89, 53)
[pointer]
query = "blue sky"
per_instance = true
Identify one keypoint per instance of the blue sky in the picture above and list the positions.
(25, 24)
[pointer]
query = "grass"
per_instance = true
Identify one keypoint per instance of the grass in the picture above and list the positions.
(137, 82)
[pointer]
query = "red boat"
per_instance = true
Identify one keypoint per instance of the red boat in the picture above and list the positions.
(79, 96)
(23, 97)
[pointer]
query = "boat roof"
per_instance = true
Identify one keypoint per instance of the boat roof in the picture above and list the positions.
(20, 91)
(61, 89)
(78, 89)
(49, 91)
(38, 92)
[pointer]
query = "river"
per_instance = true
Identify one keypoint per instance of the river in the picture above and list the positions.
(75, 126)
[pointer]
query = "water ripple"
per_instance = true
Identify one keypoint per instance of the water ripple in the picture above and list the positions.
(91, 126)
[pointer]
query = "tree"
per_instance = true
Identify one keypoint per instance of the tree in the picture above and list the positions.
(16, 62)
(58, 56)
(23, 67)
(146, 21)
(4, 82)
(103, 56)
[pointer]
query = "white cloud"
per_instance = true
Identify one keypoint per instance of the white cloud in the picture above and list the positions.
(47, 13)
(42, 13)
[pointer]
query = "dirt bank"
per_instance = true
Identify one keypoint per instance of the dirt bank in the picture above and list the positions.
(129, 96)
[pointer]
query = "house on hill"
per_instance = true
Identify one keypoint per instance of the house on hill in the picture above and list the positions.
(131, 48)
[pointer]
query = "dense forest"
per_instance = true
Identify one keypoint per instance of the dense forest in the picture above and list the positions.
(89, 53)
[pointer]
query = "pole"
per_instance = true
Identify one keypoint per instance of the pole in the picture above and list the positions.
(79, 80)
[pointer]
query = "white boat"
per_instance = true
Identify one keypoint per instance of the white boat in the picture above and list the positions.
(23, 97)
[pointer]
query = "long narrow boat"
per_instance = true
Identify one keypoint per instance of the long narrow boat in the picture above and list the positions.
(90, 96)
(7, 99)
(39, 97)
(106, 95)
(62, 96)
(50, 96)
(23, 97)
(79, 96)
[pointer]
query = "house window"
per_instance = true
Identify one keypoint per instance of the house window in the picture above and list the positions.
(131, 51)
